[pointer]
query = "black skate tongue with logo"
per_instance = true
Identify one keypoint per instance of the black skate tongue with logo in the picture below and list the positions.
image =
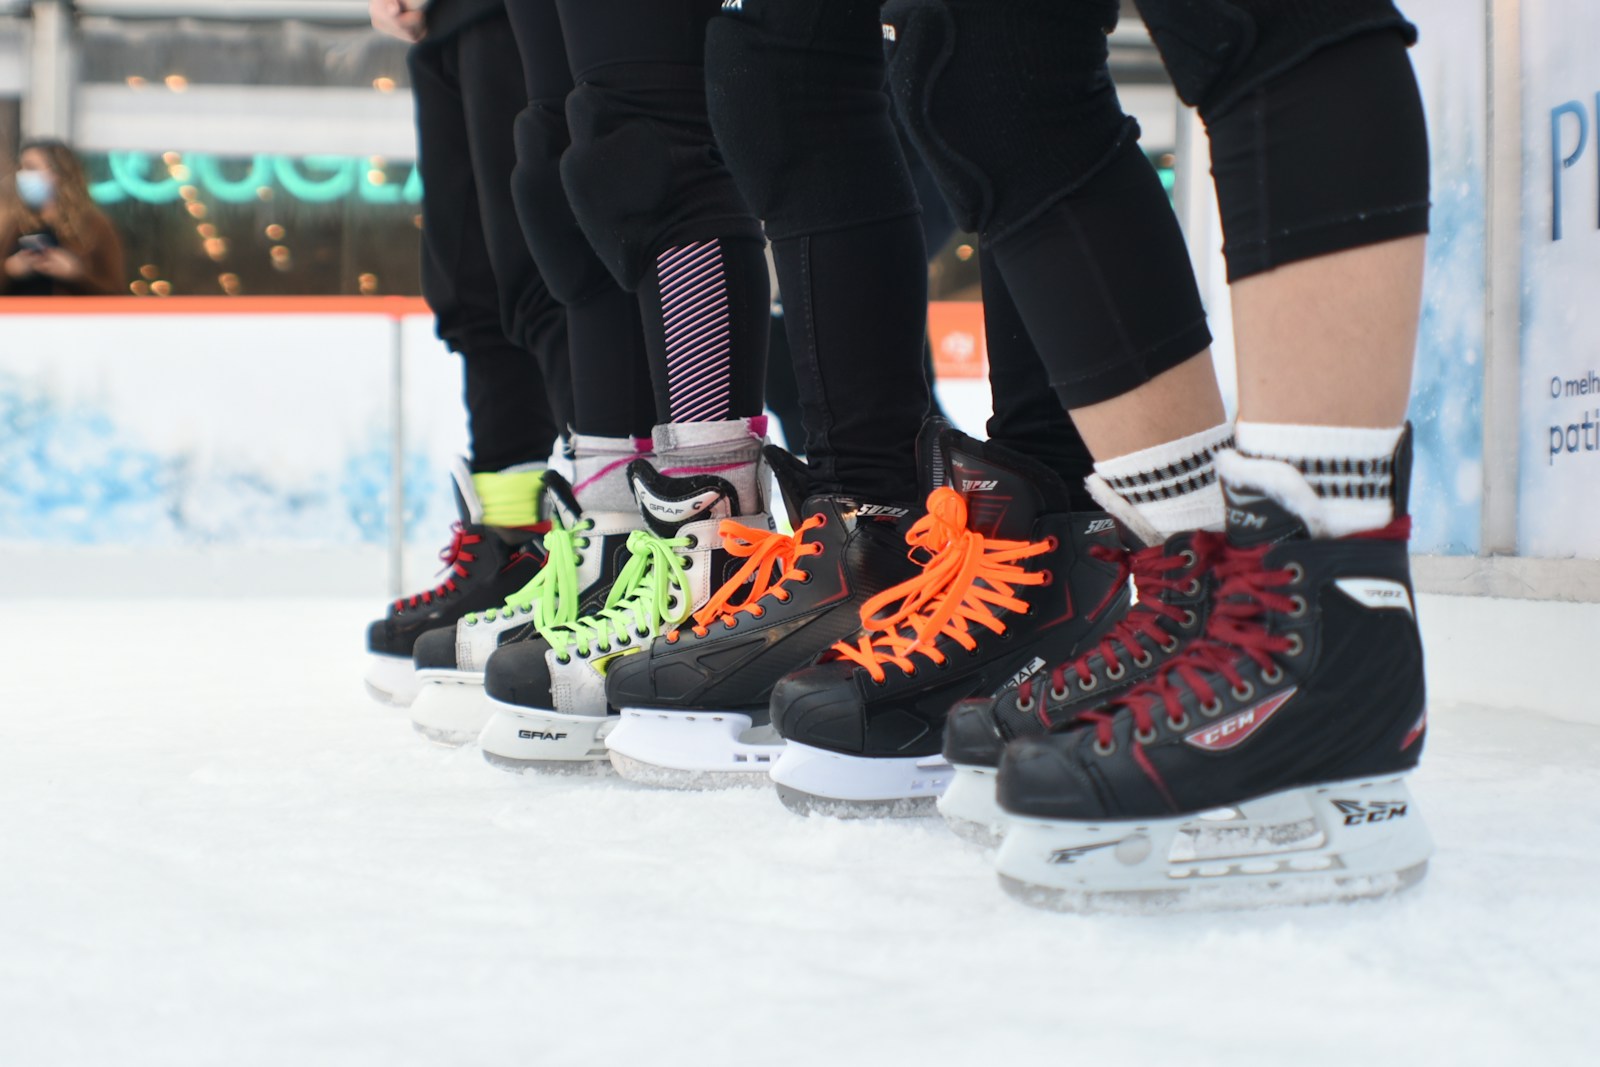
(558, 503)
(1256, 518)
(669, 504)
(1005, 492)
(933, 462)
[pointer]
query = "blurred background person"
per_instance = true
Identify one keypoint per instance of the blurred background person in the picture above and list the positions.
(54, 240)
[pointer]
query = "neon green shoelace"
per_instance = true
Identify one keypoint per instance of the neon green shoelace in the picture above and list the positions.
(552, 595)
(639, 603)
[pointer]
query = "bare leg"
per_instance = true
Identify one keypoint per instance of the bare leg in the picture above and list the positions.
(1182, 401)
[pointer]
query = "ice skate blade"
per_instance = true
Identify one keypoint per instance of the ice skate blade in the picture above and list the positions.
(692, 749)
(391, 680)
(450, 708)
(970, 809)
(594, 768)
(522, 738)
(1351, 840)
(812, 780)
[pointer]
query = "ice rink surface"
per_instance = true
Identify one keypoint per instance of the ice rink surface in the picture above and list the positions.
(214, 849)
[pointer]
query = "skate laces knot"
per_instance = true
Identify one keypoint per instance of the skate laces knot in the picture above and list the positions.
(456, 557)
(1236, 631)
(640, 601)
(966, 577)
(1152, 571)
(771, 560)
(552, 596)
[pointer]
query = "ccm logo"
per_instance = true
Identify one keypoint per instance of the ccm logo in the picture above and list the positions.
(1234, 729)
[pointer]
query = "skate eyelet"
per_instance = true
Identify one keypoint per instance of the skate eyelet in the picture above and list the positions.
(1181, 723)
(1211, 708)
(694, 542)
(1115, 674)
(1189, 558)
(563, 660)
(1143, 659)
(1051, 544)
(1170, 646)
(1058, 695)
(1272, 675)
(1297, 572)
(1189, 619)
(1105, 750)
(820, 519)
(1243, 692)
(577, 559)
(1297, 645)
(688, 562)
(805, 578)
(1025, 705)
(624, 641)
(1145, 737)
(641, 633)
(1193, 588)
(1049, 576)
(1088, 684)
(1299, 609)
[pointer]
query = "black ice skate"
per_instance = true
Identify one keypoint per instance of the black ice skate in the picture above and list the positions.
(1267, 761)
(695, 704)
(1008, 586)
(481, 569)
(585, 551)
(1172, 581)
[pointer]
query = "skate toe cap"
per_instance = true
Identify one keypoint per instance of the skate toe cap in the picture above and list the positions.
(628, 682)
(384, 639)
(435, 650)
(1041, 777)
(971, 736)
(820, 706)
(519, 674)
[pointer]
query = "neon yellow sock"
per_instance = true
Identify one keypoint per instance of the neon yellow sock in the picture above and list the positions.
(510, 498)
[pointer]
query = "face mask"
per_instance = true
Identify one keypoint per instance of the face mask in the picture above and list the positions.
(36, 187)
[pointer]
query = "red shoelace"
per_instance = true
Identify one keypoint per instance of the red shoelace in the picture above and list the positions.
(455, 557)
(966, 577)
(770, 562)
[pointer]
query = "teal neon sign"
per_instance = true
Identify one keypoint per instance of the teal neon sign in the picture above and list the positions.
(310, 179)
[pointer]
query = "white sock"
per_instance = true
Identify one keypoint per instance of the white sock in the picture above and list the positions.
(600, 471)
(1350, 469)
(1169, 488)
(728, 448)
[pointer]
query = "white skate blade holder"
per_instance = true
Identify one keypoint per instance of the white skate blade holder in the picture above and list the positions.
(692, 749)
(1346, 840)
(391, 679)
(969, 806)
(831, 783)
(523, 739)
(450, 707)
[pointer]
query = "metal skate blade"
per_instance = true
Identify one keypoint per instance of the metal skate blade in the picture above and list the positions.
(1304, 891)
(673, 778)
(446, 738)
(383, 696)
(833, 807)
(594, 768)
(978, 833)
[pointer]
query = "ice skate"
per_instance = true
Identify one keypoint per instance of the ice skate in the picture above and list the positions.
(1266, 762)
(1172, 583)
(481, 567)
(1008, 586)
(547, 695)
(585, 551)
(695, 704)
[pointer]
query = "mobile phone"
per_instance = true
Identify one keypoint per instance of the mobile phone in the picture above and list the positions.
(36, 242)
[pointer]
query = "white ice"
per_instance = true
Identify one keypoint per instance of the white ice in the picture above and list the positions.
(215, 850)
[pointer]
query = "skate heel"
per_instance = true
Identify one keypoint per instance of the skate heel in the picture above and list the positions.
(830, 783)
(692, 750)
(969, 806)
(450, 708)
(1356, 839)
(518, 738)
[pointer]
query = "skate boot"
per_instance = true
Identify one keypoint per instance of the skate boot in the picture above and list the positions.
(695, 703)
(1173, 585)
(584, 554)
(547, 694)
(1266, 762)
(1008, 585)
(481, 567)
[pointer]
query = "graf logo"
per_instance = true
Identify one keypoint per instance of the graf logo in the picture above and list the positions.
(1033, 667)
(539, 735)
(1233, 730)
(883, 510)
(1072, 855)
(1101, 526)
(978, 485)
(1357, 813)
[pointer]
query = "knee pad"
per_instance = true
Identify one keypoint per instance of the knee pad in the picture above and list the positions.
(643, 173)
(795, 92)
(1218, 50)
(571, 270)
(1009, 102)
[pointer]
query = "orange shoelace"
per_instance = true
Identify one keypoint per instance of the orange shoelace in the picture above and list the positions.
(770, 562)
(966, 578)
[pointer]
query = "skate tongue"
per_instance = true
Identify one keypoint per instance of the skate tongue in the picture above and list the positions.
(1005, 492)
(933, 462)
(558, 503)
(468, 506)
(793, 478)
(669, 504)
(1255, 518)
